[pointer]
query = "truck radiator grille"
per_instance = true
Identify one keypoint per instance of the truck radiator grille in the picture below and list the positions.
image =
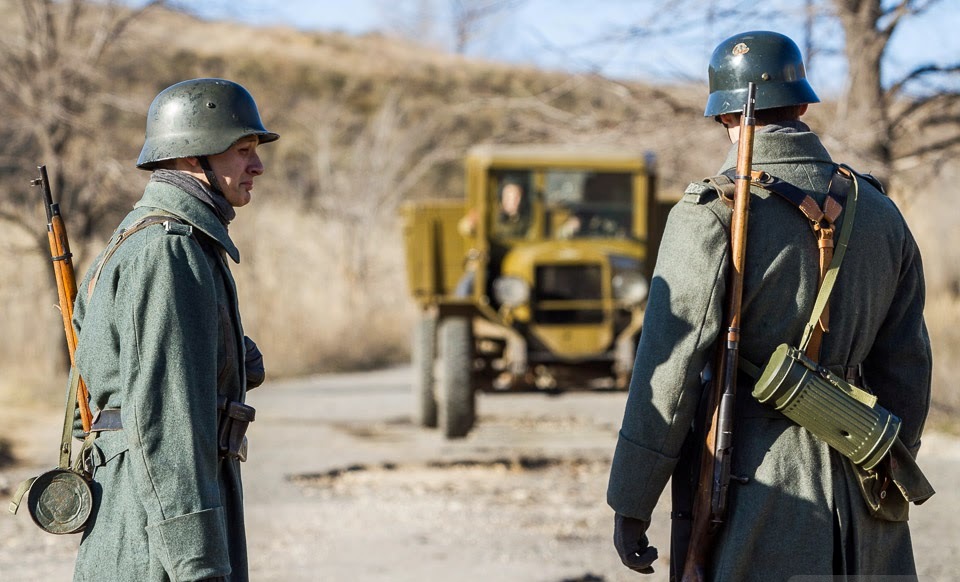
(557, 284)
(568, 283)
(568, 316)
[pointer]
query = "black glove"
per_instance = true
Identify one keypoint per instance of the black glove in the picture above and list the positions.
(630, 539)
(253, 362)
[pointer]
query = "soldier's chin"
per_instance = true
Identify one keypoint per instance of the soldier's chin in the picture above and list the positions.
(241, 198)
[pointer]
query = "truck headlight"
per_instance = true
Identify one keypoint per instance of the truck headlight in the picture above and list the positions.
(630, 288)
(511, 291)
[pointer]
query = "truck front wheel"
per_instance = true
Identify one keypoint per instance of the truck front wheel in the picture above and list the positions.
(457, 410)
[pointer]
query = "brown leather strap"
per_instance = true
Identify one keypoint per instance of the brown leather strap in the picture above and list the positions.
(840, 184)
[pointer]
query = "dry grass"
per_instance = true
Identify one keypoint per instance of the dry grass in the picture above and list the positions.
(306, 306)
(31, 325)
(943, 322)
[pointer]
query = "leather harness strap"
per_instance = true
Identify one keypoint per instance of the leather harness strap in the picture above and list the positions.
(822, 223)
(150, 219)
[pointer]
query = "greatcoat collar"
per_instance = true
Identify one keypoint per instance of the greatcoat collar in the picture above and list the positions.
(777, 148)
(177, 202)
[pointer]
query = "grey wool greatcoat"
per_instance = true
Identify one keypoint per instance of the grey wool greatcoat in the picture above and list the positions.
(801, 501)
(159, 339)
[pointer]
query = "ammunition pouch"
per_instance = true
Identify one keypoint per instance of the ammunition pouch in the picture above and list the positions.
(232, 422)
(845, 417)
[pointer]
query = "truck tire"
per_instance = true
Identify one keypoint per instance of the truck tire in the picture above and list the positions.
(424, 353)
(457, 399)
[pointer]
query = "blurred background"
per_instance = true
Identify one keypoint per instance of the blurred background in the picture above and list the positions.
(378, 101)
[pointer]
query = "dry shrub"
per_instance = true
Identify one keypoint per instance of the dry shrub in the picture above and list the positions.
(31, 324)
(943, 323)
(303, 299)
(927, 198)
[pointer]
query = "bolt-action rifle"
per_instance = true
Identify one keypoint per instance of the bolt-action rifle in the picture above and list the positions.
(66, 282)
(710, 503)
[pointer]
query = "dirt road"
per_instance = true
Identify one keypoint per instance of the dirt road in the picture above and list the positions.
(340, 486)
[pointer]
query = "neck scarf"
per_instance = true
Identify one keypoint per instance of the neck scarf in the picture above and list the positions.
(194, 187)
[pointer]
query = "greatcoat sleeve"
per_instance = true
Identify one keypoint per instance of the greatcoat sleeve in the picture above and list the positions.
(898, 367)
(680, 328)
(168, 325)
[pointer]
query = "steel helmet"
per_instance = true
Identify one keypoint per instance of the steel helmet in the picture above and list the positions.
(769, 59)
(200, 117)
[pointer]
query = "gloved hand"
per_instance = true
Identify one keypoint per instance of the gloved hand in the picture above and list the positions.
(253, 362)
(630, 539)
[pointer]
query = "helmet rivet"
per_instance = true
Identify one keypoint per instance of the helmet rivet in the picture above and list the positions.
(211, 105)
(765, 76)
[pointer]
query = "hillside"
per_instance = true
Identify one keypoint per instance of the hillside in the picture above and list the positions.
(366, 123)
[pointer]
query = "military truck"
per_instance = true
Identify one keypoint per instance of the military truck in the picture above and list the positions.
(537, 280)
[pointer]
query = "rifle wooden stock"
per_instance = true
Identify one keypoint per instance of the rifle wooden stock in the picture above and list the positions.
(710, 503)
(66, 283)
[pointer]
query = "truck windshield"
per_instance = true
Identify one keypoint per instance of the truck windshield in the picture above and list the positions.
(583, 204)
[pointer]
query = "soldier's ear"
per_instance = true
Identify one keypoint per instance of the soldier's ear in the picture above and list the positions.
(803, 109)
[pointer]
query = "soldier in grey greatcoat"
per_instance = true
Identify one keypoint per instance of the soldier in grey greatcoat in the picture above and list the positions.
(795, 505)
(162, 350)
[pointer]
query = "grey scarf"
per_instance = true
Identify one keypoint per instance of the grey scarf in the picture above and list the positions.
(202, 192)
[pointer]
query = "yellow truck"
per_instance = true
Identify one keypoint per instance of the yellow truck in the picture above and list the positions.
(537, 280)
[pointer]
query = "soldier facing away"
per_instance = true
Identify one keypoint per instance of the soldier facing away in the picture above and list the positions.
(795, 504)
(162, 350)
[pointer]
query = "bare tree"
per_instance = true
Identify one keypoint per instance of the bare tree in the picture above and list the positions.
(877, 118)
(470, 17)
(887, 125)
(54, 82)
(454, 24)
(417, 21)
(365, 172)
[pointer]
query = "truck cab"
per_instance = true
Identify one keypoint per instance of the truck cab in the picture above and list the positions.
(537, 280)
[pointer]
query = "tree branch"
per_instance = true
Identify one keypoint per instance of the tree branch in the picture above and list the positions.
(919, 72)
(922, 106)
(928, 148)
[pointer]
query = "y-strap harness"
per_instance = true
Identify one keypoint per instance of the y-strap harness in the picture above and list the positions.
(822, 223)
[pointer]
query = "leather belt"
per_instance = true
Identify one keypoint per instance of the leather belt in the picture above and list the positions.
(107, 419)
